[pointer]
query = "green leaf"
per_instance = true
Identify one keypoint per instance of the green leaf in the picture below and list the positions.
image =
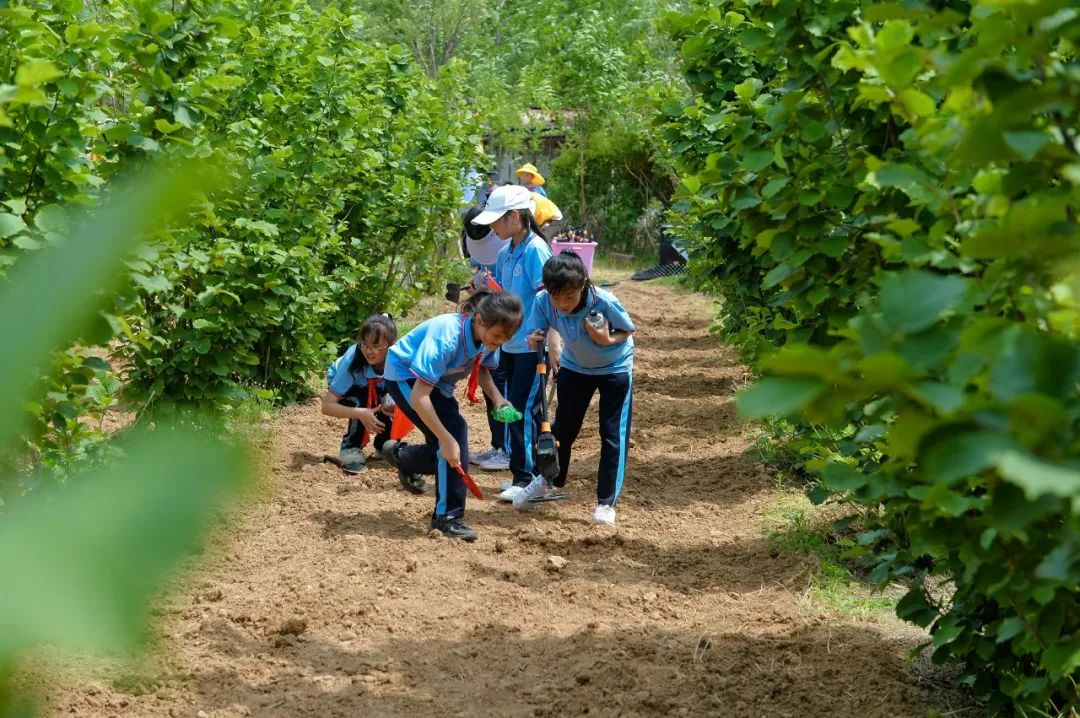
(914, 300)
(841, 478)
(913, 182)
(1058, 564)
(813, 131)
(96, 363)
(1033, 362)
(778, 156)
(774, 185)
(915, 607)
(51, 218)
(894, 34)
(165, 127)
(778, 396)
(35, 73)
(10, 224)
(1036, 477)
(748, 89)
(27, 243)
(757, 160)
(804, 360)
(917, 103)
(1026, 143)
(944, 398)
(957, 457)
(870, 432)
(776, 275)
(941, 500)
(946, 634)
(1009, 628)
(153, 284)
(1063, 658)
(903, 227)
(84, 584)
(900, 69)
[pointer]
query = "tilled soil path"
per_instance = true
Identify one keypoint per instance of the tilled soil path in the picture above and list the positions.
(685, 609)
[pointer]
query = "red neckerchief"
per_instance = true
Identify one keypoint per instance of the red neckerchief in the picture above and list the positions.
(372, 394)
(474, 375)
(474, 380)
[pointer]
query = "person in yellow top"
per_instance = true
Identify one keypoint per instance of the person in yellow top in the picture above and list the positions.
(544, 209)
(531, 178)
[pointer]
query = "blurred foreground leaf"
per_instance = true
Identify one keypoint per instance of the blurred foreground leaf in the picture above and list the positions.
(79, 562)
(50, 297)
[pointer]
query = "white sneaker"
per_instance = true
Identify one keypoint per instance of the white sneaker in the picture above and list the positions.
(603, 515)
(506, 485)
(536, 488)
(511, 493)
(496, 461)
(482, 456)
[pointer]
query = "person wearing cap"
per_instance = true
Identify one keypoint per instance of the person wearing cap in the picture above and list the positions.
(519, 269)
(481, 246)
(531, 178)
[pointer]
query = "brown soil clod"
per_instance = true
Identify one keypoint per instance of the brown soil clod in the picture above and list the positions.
(293, 627)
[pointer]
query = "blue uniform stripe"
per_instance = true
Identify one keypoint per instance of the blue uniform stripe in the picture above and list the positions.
(505, 389)
(624, 422)
(529, 423)
(440, 505)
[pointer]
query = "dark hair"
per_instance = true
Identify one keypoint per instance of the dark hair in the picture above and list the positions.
(495, 309)
(377, 326)
(475, 231)
(565, 271)
(530, 222)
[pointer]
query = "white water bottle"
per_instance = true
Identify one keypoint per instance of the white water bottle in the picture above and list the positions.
(596, 319)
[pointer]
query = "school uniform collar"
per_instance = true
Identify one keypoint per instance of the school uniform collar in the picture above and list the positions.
(518, 251)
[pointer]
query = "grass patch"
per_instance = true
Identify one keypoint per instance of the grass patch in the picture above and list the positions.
(795, 526)
(678, 282)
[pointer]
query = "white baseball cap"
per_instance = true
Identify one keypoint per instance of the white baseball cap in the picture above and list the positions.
(502, 200)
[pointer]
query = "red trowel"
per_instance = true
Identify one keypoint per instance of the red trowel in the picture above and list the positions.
(469, 483)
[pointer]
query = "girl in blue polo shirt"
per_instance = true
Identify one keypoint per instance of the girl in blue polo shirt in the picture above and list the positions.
(421, 371)
(519, 270)
(597, 355)
(355, 391)
(481, 245)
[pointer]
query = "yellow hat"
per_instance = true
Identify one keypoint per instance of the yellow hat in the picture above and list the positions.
(531, 169)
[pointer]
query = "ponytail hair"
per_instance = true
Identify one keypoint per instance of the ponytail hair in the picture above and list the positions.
(495, 309)
(529, 221)
(375, 327)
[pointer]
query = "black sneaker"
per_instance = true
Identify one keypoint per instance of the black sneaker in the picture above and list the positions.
(453, 528)
(351, 460)
(413, 483)
(389, 451)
